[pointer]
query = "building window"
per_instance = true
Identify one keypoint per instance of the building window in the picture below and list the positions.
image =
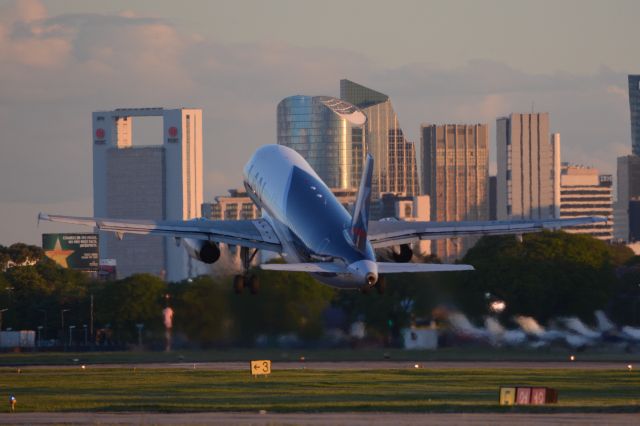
(508, 174)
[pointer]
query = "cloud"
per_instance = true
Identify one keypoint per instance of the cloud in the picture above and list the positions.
(56, 70)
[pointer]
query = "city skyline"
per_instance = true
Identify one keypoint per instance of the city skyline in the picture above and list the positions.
(60, 61)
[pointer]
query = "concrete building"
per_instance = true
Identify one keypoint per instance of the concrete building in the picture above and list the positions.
(328, 133)
(528, 180)
(634, 109)
(628, 171)
(162, 182)
(455, 174)
(395, 169)
(235, 206)
(585, 193)
(493, 197)
(415, 209)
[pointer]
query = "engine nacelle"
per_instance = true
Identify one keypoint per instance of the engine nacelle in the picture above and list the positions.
(400, 254)
(204, 251)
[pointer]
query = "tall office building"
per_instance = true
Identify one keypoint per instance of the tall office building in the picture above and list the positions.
(628, 172)
(634, 109)
(585, 193)
(528, 180)
(328, 133)
(455, 174)
(162, 182)
(395, 170)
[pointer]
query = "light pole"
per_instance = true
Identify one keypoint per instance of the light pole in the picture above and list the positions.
(44, 332)
(62, 311)
(84, 326)
(140, 327)
(71, 327)
(39, 343)
(1, 311)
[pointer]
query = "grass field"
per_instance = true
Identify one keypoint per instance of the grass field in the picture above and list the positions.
(408, 390)
(376, 354)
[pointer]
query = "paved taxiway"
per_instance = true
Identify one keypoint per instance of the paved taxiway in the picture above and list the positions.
(316, 419)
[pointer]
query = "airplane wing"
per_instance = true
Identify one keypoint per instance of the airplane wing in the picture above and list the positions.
(247, 233)
(389, 233)
(383, 267)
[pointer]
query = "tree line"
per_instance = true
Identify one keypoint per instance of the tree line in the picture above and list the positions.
(545, 275)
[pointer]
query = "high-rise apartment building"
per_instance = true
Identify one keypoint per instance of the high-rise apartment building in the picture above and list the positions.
(634, 109)
(395, 170)
(455, 174)
(585, 193)
(528, 180)
(162, 182)
(328, 133)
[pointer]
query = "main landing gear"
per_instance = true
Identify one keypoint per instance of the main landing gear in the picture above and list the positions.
(245, 279)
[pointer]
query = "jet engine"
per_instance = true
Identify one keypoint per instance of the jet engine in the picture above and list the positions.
(400, 254)
(204, 251)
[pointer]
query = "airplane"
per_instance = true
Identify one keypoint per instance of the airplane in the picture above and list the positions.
(304, 222)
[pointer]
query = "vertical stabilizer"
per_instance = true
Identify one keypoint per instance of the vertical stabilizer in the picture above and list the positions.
(360, 219)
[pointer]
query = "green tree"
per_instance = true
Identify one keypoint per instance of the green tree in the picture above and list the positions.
(287, 303)
(202, 312)
(138, 299)
(547, 275)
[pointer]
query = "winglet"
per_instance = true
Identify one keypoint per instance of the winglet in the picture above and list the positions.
(42, 216)
(360, 219)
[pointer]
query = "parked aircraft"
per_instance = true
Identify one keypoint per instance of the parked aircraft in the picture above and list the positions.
(304, 222)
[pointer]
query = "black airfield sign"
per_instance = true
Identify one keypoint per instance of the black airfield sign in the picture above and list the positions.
(76, 251)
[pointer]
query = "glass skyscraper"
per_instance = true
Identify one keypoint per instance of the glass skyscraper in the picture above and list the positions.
(395, 169)
(328, 133)
(634, 108)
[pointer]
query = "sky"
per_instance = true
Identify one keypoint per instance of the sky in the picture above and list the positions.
(439, 61)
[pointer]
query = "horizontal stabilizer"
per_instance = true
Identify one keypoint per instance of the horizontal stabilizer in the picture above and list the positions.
(383, 267)
(306, 267)
(399, 268)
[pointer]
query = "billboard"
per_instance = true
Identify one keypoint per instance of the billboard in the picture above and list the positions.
(76, 251)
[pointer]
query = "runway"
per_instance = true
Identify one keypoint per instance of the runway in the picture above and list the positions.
(316, 419)
(355, 365)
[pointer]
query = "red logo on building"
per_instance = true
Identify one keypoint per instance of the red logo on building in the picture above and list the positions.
(173, 132)
(99, 133)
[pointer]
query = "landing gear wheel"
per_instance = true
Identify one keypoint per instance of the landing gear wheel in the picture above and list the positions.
(365, 290)
(238, 284)
(381, 285)
(254, 284)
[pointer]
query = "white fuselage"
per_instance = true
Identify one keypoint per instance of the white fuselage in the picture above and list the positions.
(307, 218)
